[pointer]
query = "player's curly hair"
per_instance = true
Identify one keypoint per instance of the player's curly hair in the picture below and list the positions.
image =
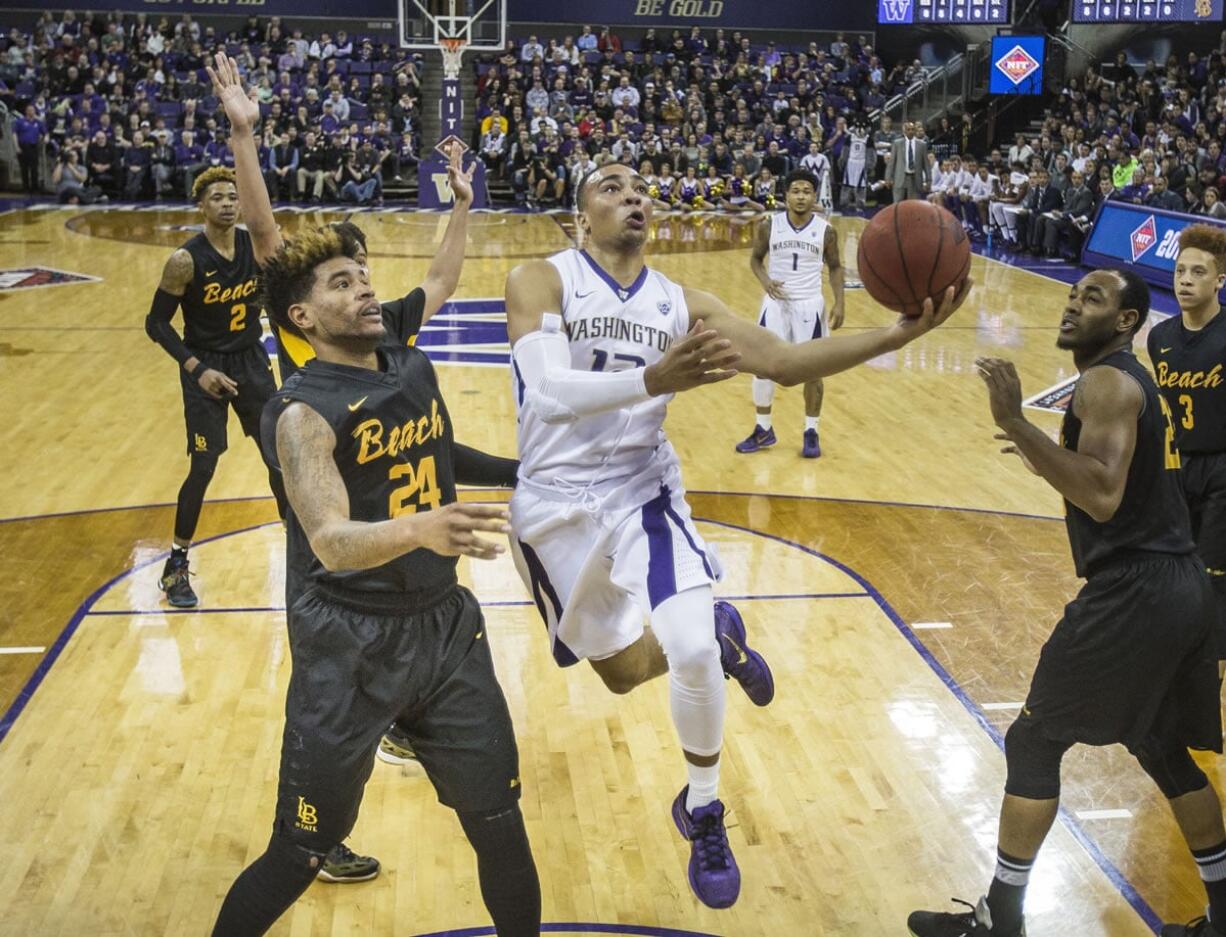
(288, 278)
(1209, 238)
(208, 177)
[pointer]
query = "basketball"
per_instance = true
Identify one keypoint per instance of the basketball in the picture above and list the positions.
(910, 251)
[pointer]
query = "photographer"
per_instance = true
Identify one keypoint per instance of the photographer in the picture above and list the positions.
(70, 178)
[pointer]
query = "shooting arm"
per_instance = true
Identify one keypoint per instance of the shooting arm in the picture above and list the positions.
(444, 274)
(253, 195)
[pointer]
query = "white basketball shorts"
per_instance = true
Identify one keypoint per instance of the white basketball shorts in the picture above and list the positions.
(595, 574)
(795, 321)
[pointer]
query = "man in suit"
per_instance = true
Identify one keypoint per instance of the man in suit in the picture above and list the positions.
(1078, 207)
(1047, 198)
(908, 168)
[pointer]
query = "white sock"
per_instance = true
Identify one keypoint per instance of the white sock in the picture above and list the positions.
(704, 786)
(764, 420)
(811, 422)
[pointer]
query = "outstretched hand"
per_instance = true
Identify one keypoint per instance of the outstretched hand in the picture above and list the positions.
(241, 106)
(461, 182)
(702, 357)
(909, 328)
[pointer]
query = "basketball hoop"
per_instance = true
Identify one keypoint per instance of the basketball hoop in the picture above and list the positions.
(453, 56)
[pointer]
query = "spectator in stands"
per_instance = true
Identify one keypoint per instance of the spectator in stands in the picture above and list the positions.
(189, 157)
(161, 163)
(1162, 197)
(135, 162)
(314, 166)
(1070, 220)
(608, 41)
(71, 180)
(531, 50)
(494, 149)
(281, 175)
(587, 39)
(102, 161)
(30, 132)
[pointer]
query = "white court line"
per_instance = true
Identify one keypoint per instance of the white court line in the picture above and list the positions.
(22, 650)
(1104, 814)
(929, 625)
(990, 707)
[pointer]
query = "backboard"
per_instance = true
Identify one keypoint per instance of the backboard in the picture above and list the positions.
(479, 24)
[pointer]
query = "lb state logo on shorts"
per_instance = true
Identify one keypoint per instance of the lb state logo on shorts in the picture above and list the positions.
(1017, 65)
(1143, 238)
(29, 278)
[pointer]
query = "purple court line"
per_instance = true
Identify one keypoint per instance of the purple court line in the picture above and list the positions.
(508, 603)
(621, 930)
(1116, 877)
(1126, 889)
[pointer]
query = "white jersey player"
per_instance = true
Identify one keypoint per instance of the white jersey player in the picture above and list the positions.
(818, 163)
(603, 535)
(790, 250)
(856, 168)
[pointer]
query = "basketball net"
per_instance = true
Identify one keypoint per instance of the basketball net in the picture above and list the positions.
(453, 56)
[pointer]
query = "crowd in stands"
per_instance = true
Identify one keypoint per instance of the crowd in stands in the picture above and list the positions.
(1149, 135)
(123, 105)
(714, 120)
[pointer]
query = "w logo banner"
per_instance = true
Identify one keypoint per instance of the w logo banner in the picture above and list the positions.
(1143, 238)
(894, 11)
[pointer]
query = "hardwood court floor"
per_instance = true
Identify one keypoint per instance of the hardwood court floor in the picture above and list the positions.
(140, 775)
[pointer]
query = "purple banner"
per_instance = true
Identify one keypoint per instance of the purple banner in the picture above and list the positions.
(433, 189)
(709, 14)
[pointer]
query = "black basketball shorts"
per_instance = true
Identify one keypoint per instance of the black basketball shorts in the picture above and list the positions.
(1204, 487)
(206, 417)
(358, 668)
(1133, 660)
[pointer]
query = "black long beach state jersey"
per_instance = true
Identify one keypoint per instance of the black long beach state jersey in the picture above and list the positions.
(1152, 515)
(1189, 366)
(393, 451)
(220, 312)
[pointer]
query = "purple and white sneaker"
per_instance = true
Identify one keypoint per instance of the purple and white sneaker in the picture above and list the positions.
(759, 439)
(741, 662)
(714, 875)
(812, 449)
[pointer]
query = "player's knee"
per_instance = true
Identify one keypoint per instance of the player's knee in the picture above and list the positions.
(1174, 771)
(203, 465)
(763, 392)
(1032, 761)
(695, 663)
(498, 833)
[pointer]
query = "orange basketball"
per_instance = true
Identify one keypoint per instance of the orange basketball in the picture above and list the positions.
(912, 251)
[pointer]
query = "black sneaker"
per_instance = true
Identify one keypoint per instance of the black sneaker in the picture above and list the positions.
(977, 922)
(343, 866)
(174, 583)
(1197, 928)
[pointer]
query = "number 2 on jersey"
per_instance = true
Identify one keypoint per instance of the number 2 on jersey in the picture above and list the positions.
(1172, 460)
(238, 317)
(420, 487)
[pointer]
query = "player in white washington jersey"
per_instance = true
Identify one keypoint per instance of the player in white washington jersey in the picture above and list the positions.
(856, 168)
(603, 534)
(789, 250)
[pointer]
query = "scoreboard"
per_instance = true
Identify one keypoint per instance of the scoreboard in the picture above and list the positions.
(905, 12)
(1147, 11)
